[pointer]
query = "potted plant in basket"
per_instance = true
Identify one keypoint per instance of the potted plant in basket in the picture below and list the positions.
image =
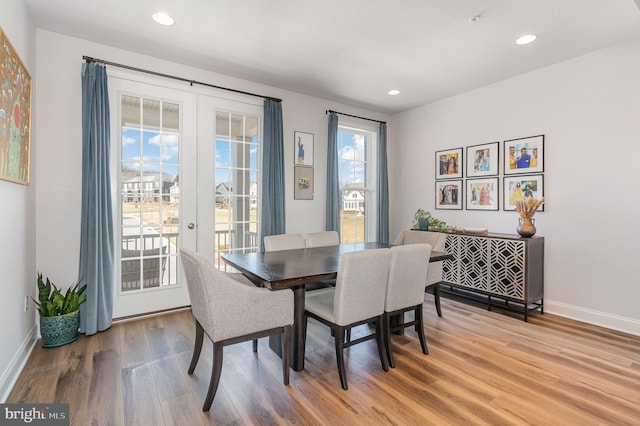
(59, 313)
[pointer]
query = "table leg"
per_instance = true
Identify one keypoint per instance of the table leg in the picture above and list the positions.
(297, 332)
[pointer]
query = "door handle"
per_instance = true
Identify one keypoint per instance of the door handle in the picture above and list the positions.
(191, 225)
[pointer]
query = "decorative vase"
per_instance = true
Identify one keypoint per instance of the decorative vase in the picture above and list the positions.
(59, 330)
(423, 224)
(526, 228)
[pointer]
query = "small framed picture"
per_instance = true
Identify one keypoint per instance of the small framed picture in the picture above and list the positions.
(449, 164)
(482, 194)
(303, 189)
(303, 148)
(517, 187)
(483, 160)
(525, 155)
(449, 195)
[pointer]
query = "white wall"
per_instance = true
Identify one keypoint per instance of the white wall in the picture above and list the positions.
(17, 226)
(588, 109)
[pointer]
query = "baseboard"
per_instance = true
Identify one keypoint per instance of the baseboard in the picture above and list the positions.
(603, 319)
(11, 374)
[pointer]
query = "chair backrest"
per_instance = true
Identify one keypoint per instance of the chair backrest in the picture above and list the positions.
(360, 285)
(322, 239)
(283, 242)
(407, 273)
(437, 241)
(214, 296)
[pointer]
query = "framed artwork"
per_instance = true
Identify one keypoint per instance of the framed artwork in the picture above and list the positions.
(483, 160)
(517, 187)
(303, 148)
(449, 164)
(15, 115)
(303, 177)
(525, 155)
(449, 195)
(482, 194)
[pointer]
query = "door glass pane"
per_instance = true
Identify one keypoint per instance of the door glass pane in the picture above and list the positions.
(150, 196)
(236, 181)
(352, 170)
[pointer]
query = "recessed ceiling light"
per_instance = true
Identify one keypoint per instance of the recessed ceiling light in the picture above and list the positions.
(526, 39)
(162, 18)
(393, 92)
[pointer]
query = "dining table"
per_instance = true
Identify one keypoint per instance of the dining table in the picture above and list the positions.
(293, 269)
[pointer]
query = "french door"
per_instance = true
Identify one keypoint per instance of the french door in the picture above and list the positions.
(187, 176)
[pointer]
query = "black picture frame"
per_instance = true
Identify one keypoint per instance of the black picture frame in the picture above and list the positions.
(449, 194)
(449, 164)
(483, 160)
(520, 154)
(483, 194)
(515, 188)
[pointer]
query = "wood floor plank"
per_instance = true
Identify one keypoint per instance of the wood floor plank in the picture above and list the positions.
(483, 368)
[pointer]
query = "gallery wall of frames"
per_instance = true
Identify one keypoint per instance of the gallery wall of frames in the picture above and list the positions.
(490, 176)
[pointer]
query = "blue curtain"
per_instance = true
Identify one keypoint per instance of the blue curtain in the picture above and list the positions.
(96, 233)
(383, 187)
(333, 182)
(272, 211)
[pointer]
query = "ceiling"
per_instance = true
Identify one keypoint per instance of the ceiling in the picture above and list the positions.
(353, 51)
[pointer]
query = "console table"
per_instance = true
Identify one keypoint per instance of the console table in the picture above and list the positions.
(499, 267)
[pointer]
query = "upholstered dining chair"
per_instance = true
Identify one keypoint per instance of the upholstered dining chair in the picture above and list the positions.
(358, 298)
(230, 310)
(434, 276)
(322, 239)
(283, 242)
(405, 292)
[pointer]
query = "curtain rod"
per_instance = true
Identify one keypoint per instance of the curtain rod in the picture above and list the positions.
(89, 59)
(355, 116)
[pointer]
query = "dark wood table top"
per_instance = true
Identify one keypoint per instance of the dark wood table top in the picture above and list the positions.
(291, 268)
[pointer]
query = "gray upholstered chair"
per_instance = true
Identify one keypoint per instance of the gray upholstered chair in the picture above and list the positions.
(322, 239)
(232, 310)
(405, 291)
(434, 276)
(283, 242)
(291, 242)
(358, 298)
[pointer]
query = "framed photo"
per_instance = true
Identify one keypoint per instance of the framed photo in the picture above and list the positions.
(483, 160)
(482, 194)
(517, 187)
(449, 195)
(303, 148)
(15, 115)
(525, 155)
(303, 189)
(449, 164)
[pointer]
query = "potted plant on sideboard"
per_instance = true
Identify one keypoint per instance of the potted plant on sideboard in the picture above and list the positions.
(59, 313)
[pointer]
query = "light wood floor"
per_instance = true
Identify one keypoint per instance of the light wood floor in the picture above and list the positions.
(483, 368)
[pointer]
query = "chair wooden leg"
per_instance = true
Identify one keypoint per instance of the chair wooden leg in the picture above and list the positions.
(255, 345)
(420, 329)
(387, 338)
(339, 339)
(436, 298)
(286, 353)
(197, 347)
(215, 375)
(380, 340)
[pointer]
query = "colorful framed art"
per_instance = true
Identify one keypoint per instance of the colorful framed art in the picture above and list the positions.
(15, 115)
(449, 164)
(524, 155)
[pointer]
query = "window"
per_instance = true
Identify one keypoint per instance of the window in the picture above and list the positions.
(149, 168)
(236, 184)
(356, 161)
